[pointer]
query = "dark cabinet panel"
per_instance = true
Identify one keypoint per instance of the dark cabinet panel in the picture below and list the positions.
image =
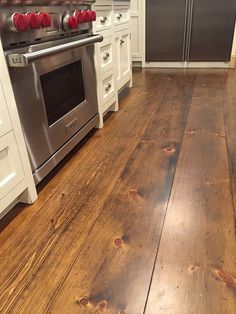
(165, 30)
(212, 30)
(189, 30)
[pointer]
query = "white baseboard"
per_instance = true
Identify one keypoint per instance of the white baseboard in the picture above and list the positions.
(137, 64)
(214, 65)
(164, 64)
(184, 65)
(233, 62)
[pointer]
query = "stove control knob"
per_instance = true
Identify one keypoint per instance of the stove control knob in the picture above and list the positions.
(18, 22)
(70, 22)
(92, 16)
(86, 16)
(80, 16)
(34, 20)
(45, 18)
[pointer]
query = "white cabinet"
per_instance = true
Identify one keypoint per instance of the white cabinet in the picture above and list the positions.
(5, 124)
(137, 29)
(122, 28)
(104, 59)
(113, 54)
(123, 57)
(107, 88)
(121, 14)
(105, 54)
(16, 180)
(104, 18)
(11, 170)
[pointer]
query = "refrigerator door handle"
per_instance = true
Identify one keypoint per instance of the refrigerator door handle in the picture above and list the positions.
(185, 29)
(190, 22)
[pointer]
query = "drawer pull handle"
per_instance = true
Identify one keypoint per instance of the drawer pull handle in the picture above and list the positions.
(103, 19)
(106, 55)
(122, 42)
(119, 16)
(107, 87)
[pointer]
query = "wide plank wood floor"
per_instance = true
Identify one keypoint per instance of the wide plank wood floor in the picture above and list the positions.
(140, 217)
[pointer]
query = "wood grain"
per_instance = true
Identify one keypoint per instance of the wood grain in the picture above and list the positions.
(75, 202)
(117, 228)
(67, 206)
(198, 235)
(137, 199)
(229, 97)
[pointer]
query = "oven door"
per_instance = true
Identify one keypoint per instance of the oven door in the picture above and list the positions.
(55, 95)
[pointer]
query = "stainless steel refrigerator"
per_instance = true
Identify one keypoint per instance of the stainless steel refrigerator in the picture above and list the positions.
(189, 30)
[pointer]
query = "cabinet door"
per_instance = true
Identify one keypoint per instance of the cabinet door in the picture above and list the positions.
(165, 30)
(117, 59)
(136, 29)
(125, 52)
(212, 31)
(11, 170)
(134, 5)
(5, 124)
(123, 57)
(136, 37)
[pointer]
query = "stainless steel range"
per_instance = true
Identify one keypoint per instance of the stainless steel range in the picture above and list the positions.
(49, 50)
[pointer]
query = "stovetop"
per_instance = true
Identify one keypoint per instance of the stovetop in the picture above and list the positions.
(43, 2)
(24, 25)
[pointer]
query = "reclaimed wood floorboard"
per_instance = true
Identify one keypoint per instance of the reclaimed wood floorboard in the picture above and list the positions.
(140, 216)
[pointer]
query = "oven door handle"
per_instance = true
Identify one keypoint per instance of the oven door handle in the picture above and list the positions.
(22, 60)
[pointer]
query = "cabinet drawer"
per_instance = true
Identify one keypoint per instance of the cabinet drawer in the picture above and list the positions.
(104, 18)
(121, 15)
(11, 170)
(5, 124)
(105, 54)
(107, 87)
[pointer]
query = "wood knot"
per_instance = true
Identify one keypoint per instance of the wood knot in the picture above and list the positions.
(225, 277)
(84, 301)
(118, 242)
(102, 305)
(133, 194)
(190, 132)
(194, 268)
(169, 150)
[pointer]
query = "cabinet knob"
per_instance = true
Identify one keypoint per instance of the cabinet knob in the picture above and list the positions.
(103, 19)
(122, 42)
(119, 16)
(107, 87)
(106, 55)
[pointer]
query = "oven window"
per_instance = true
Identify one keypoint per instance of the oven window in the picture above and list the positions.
(63, 90)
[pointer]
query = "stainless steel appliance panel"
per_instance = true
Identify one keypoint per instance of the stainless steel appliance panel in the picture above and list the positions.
(63, 3)
(165, 30)
(45, 136)
(50, 55)
(212, 30)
